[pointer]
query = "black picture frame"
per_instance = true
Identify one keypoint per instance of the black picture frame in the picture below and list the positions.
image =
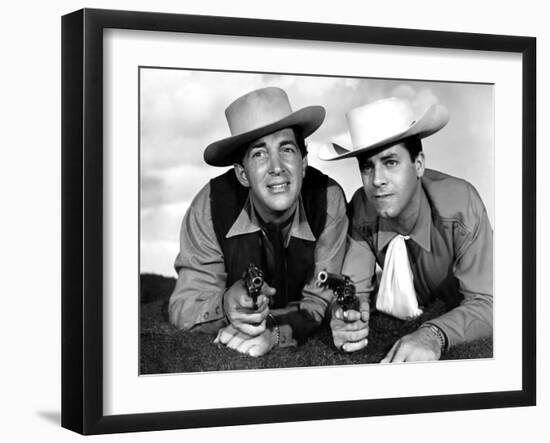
(82, 220)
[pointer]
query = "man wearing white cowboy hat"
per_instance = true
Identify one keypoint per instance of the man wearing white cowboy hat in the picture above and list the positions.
(427, 230)
(270, 209)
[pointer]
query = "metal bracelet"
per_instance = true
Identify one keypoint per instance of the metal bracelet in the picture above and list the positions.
(439, 334)
(276, 327)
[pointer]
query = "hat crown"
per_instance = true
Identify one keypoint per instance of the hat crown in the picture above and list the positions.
(256, 109)
(379, 120)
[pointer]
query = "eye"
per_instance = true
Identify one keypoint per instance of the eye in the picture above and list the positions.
(257, 153)
(289, 149)
(391, 163)
(366, 167)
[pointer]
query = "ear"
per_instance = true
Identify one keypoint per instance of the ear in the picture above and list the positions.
(420, 164)
(240, 173)
(304, 165)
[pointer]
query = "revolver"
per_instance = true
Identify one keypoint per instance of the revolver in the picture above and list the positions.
(343, 288)
(253, 278)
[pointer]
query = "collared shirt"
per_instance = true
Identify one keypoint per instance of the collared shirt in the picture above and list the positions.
(247, 222)
(197, 300)
(450, 252)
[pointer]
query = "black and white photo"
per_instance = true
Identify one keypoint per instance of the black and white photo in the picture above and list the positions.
(195, 125)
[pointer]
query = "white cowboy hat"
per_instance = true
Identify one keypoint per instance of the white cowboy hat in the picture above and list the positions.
(255, 115)
(382, 123)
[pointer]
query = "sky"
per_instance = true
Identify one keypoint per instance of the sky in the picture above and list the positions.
(182, 111)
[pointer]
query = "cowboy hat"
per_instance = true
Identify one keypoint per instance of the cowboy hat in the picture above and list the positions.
(256, 114)
(385, 122)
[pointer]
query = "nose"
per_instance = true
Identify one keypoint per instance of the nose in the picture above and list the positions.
(379, 178)
(276, 166)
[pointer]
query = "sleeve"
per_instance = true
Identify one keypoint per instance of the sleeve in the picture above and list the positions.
(473, 268)
(300, 320)
(197, 300)
(360, 261)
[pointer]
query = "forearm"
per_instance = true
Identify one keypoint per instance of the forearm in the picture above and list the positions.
(473, 269)
(472, 320)
(197, 299)
(189, 309)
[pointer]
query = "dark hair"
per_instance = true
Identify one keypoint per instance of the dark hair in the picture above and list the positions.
(300, 141)
(412, 144)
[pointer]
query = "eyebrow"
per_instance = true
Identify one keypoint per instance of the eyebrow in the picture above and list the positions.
(281, 143)
(388, 157)
(369, 160)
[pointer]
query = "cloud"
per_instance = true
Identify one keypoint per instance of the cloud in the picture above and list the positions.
(158, 257)
(162, 223)
(174, 185)
(420, 99)
(403, 91)
(182, 111)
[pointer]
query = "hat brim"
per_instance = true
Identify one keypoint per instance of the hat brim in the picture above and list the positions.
(228, 151)
(434, 119)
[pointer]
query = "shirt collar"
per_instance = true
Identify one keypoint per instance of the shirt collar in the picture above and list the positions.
(420, 233)
(248, 222)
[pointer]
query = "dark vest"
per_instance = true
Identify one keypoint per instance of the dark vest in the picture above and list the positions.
(227, 199)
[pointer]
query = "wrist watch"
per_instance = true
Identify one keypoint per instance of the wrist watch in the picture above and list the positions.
(439, 334)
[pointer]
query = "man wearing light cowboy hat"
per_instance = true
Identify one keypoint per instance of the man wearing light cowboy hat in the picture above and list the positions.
(270, 209)
(427, 230)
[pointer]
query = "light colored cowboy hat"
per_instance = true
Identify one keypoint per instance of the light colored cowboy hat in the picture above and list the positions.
(255, 115)
(385, 122)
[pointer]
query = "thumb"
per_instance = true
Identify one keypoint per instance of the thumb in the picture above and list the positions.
(268, 290)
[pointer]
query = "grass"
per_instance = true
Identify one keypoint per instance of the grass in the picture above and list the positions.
(165, 349)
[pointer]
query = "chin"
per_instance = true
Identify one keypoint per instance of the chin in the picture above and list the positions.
(386, 213)
(281, 205)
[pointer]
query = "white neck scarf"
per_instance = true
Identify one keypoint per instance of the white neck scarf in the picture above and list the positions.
(396, 295)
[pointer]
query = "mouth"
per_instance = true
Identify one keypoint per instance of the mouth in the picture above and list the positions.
(383, 196)
(278, 187)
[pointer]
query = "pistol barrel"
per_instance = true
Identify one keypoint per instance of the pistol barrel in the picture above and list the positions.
(256, 282)
(322, 278)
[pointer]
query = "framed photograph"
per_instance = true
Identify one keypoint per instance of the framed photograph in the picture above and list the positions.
(143, 95)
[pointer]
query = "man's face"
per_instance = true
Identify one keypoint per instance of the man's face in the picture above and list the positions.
(390, 180)
(273, 168)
